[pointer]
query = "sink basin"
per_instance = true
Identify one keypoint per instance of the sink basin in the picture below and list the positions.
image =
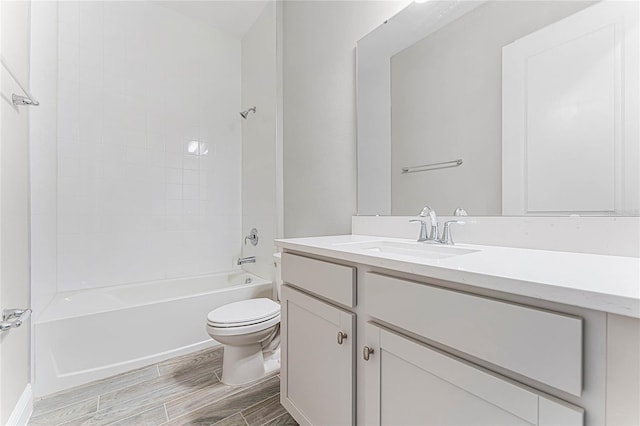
(412, 249)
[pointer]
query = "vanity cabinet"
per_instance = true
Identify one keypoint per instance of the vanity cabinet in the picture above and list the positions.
(409, 383)
(411, 350)
(318, 343)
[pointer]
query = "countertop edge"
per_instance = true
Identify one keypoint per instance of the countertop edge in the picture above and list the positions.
(598, 301)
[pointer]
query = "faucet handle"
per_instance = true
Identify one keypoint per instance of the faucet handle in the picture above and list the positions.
(253, 237)
(427, 211)
(446, 232)
(423, 230)
(460, 212)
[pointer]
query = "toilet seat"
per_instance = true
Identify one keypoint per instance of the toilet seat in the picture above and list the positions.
(243, 313)
(243, 317)
(215, 330)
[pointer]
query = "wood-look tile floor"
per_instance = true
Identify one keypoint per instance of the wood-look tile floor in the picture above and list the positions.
(181, 391)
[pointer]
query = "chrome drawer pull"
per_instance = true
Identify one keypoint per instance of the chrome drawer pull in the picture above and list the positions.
(366, 352)
(341, 337)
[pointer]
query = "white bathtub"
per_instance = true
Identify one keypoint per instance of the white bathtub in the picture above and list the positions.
(87, 335)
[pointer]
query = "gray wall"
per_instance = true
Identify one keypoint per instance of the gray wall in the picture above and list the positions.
(319, 39)
(259, 140)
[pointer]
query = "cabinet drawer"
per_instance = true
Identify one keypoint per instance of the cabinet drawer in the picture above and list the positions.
(335, 282)
(542, 345)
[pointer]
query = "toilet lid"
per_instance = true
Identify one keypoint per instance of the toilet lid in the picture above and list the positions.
(244, 312)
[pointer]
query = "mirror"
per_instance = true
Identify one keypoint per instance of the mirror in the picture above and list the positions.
(501, 107)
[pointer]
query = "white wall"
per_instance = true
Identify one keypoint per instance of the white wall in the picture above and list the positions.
(259, 140)
(14, 210)
(136, 84)
(43, 142)
(320, 112)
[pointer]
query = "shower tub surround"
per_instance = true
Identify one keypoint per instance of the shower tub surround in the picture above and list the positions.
(91, 334)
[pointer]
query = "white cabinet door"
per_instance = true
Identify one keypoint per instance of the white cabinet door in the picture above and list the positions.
(318, 374)
(408, 383)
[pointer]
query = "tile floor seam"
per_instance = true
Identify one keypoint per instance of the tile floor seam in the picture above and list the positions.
(270, 419)
(259, 402)
(154, 405)
(166, 413)
(162, 387)
(83, 400)
(238, 390)
(204, 404)
(63, 406)
(169, 399)
(128, 417)
(274, 419)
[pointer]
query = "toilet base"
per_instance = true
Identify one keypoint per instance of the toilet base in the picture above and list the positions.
(246, 364)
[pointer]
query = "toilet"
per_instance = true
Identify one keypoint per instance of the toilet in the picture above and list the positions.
(250, 333)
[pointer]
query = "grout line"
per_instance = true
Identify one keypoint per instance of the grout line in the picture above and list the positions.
(135, 383)
(204, 403)
(235, 392)
(59, 407)
(166, 413)
(281, 415)
(245, 420)
(260, 402)
(90, 384)
(128, 417)
(272, 419)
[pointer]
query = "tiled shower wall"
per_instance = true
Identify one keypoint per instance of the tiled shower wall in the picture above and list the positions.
(149, 151)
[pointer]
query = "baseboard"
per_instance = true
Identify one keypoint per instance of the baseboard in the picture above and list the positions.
(23, 409)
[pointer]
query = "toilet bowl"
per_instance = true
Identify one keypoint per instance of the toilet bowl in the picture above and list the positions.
(249, 331)
(243, 327)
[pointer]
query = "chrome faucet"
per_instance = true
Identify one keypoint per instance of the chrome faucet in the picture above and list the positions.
(243, 260)
(433, 236)
(423, 230)
(446, 233)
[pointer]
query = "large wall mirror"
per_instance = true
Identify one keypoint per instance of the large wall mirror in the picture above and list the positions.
(501, 107)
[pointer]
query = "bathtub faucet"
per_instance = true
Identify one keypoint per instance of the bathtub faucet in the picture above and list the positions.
(243, 260)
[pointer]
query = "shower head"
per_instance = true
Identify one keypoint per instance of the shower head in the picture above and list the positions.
(245, 113)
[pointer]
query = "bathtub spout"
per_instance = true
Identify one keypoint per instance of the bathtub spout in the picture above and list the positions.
(243, 260)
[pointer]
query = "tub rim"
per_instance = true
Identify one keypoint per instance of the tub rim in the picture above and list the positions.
(42, 318)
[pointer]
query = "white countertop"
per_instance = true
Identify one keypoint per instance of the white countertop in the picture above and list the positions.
(603, 283)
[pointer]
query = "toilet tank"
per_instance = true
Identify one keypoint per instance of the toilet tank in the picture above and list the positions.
(277, 264)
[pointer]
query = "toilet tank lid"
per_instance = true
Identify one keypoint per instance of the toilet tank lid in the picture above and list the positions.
(244, 311)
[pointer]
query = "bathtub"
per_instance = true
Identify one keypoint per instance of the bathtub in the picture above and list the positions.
(88, 335)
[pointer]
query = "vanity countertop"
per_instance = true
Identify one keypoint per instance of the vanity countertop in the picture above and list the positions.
(603, 283)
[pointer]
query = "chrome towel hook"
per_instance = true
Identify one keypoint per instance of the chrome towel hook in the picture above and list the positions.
(13, 318)
(18, 100)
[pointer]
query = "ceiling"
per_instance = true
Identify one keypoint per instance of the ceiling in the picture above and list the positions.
(231, 16)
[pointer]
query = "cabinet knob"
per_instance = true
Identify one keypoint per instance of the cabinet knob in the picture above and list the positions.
(366, 352)
(341, 337)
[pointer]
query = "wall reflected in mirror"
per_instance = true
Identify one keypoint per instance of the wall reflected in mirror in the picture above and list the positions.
(539, 99)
